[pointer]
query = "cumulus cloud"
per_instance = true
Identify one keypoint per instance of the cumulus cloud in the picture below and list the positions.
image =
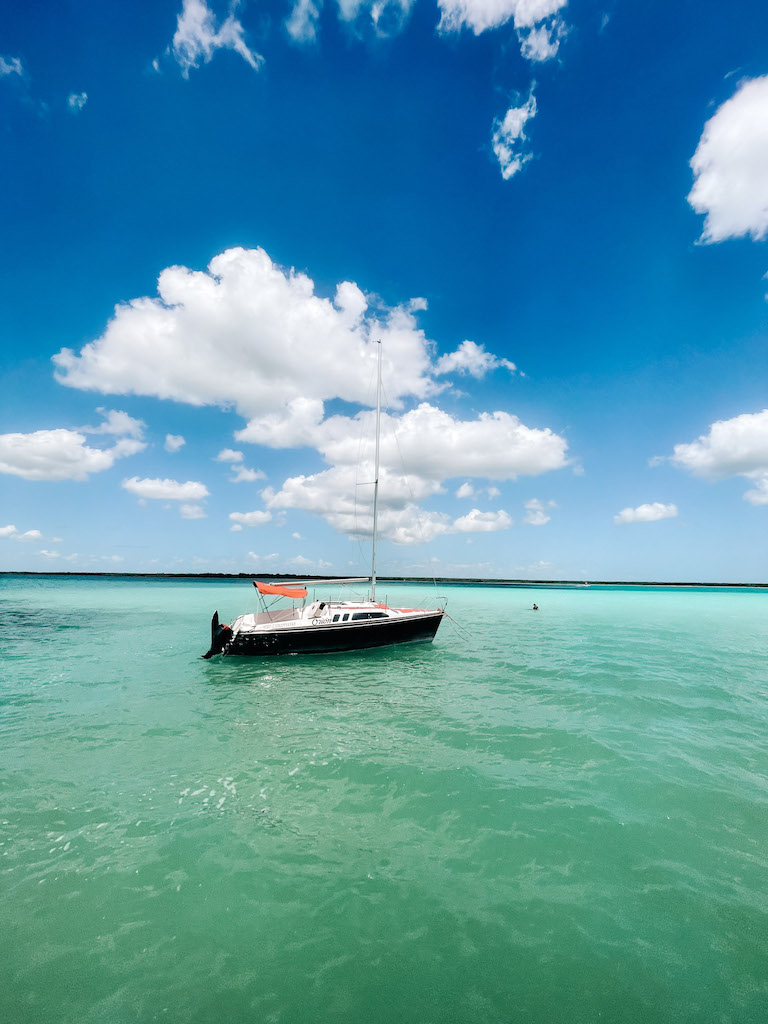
(11, 532)
(173, 442)
(466, 490)
(229, 455)
(166, 490)
(240, 473)
(198, 37)
(293, 349)
(481, 15)
(646, 513)
(509, 139)
(758, 495)
(536, 514)
(471, 358)
(730, 166)
(732, 447)
(735, 447)
(295, 425)
(482, 522)
(243, 475)
(434, 446)
(256, 518)
(59, 454)
(118, 423)
(76, 101)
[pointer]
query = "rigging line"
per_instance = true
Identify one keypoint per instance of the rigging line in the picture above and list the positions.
(355, 529)
(407, 481)
(461, 631)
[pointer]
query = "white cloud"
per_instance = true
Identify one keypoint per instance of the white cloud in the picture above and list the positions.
(541, 43)
(735, 447)
(646, 513)
(118, 423)
(466, 490)
(229, 455)
(295, 425)
(297, 536)
(435, 447)
(192, 512)
(198, 37)
(173, 442)
(730, 166)
(473, 359)
(255, 518)
(241, 474)
(301, 24)
(535, 514)
(11, 66)
(11, 532)
(482, 522)
(387, 17)
(758, 495)
(738, 446)
(59, 455)
(509, 138)
(76, 101)
(293, 350)
(480, 15)
(166, 490)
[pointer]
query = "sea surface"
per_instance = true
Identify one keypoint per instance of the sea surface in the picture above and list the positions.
(542, 817)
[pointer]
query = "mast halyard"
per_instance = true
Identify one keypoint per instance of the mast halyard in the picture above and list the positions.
(376, 476)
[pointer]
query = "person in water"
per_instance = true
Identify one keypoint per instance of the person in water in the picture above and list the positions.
(535, 607)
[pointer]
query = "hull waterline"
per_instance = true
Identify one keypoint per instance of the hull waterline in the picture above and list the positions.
(328, 639)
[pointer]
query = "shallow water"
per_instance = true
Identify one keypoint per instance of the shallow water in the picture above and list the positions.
(541, 817)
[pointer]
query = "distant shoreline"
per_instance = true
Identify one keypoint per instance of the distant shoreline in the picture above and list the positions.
(443, 580)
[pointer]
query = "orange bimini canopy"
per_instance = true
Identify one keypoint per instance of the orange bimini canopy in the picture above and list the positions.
(276, 588)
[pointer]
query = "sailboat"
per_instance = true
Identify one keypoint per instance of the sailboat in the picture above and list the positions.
(325, 626)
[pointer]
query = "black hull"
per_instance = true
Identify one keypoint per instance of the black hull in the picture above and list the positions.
(334, 638)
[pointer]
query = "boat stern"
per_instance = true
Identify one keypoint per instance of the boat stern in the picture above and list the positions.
(221, 634)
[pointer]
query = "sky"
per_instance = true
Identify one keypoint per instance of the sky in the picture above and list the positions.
(551, 213)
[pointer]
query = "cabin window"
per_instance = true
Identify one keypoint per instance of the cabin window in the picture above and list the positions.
(346, 616)
(368, 615)
(336, 618)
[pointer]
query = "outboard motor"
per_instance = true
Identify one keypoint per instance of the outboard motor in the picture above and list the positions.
(221, 634)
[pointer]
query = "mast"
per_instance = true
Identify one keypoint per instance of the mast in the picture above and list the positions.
(376, 475)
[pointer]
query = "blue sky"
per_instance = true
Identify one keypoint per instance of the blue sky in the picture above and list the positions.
(553, 214)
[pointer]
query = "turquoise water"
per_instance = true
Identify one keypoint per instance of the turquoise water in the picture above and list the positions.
(559, 816)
